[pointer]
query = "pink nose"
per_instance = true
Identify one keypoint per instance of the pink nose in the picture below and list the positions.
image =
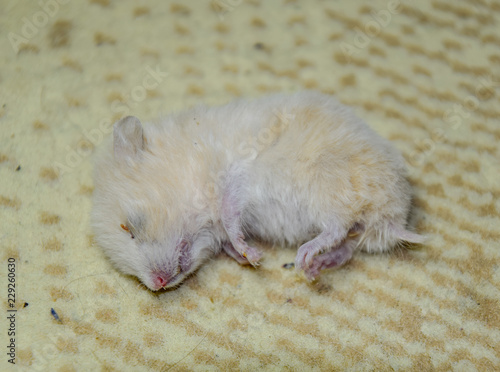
(160, 279)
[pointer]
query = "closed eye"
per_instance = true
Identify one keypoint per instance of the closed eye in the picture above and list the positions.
(126, 228)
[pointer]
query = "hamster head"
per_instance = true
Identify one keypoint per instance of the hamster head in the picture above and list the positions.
(141, 215)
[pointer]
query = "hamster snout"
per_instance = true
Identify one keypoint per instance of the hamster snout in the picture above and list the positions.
(296, 169)
(162, 278)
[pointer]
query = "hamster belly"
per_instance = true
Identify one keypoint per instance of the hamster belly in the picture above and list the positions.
(275, 213)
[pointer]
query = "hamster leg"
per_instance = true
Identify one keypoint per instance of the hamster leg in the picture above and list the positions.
(232, 225)
(231, 210)
(335, 258)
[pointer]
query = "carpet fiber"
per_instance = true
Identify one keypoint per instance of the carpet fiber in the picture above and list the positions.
(425, 75)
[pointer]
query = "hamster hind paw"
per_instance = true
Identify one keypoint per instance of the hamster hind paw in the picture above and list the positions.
(324, 242)
(335, 258)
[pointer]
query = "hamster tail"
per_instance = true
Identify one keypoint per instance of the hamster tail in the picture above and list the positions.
(383, 238)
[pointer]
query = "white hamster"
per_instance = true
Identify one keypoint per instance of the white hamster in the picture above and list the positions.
(286, 169)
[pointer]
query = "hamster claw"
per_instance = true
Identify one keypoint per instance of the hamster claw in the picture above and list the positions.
(253, 255)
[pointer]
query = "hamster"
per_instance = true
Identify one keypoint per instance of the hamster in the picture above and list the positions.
(296, 169)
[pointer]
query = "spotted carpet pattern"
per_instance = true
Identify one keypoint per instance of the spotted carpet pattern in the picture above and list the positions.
(425, 75)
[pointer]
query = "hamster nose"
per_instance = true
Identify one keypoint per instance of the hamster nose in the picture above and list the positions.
(160, 279)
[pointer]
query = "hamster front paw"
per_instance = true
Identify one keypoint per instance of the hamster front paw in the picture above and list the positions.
(243, 259)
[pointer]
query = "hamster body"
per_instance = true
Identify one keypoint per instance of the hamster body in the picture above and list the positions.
(288, 169)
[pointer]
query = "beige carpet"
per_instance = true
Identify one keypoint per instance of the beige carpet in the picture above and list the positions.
(424, 74)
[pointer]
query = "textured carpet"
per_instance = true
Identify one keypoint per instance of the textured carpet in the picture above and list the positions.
(424, 74)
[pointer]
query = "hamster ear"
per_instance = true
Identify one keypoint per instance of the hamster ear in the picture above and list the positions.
(128, 140)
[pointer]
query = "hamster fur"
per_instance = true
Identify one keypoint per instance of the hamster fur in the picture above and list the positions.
(297, 169)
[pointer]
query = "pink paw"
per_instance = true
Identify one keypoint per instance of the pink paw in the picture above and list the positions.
(248, 255)
(335, 258)
(305, 256)
(253, 255)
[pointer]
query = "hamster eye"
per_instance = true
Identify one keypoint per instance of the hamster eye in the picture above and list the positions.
(127, 230)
